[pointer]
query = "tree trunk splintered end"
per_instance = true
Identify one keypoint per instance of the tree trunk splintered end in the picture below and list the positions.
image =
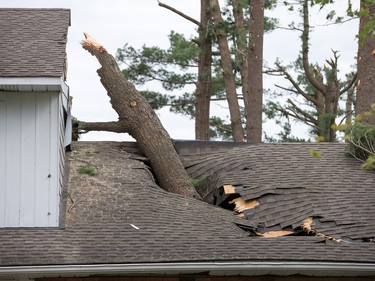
(139, 120)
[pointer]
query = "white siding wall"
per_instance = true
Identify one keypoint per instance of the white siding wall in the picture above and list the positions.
(29, 159)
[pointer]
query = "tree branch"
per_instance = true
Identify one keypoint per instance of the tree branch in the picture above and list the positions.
(303, 113)
(349, 85)
(179, 13)
(114, 126)
(298, 88)
(305, 50)
(295, 85)
(287, 89)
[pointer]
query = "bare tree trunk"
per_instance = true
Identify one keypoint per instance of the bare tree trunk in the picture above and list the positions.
(330, 92)
(137, 118)
(349, 108)
(229, 79)
(203, 97)
(255, 64)
(241, 52)
(366, 67)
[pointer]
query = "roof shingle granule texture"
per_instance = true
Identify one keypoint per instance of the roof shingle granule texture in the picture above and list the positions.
(290, 185)
(122, 216)
(33, 42)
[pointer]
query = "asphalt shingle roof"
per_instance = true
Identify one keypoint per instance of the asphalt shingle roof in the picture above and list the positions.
(290, 185)
(122, 216)
(33, 42)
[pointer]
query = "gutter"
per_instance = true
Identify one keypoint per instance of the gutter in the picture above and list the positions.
(212, 268)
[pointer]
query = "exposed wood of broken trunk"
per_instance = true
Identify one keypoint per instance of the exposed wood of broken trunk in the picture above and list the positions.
(137, 118)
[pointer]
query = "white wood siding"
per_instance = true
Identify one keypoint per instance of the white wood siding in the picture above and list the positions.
(29, 159)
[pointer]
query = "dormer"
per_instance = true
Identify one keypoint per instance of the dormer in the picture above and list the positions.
(34, 115)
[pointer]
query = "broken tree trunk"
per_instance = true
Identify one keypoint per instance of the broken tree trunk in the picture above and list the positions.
(137, 118)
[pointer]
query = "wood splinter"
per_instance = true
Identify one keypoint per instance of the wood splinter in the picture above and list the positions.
(91, 43)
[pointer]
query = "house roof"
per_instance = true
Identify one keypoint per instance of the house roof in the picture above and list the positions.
(289, 186)
(121, 216)
(33, 42)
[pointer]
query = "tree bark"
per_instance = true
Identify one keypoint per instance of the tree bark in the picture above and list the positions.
(203, 97)
(139, 120)
(255, 65)
(241, 53)
(331, 91)
(366, 67)
(229, 79)
(203, 93)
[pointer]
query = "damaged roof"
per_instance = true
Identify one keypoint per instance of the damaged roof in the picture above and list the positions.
(281, 186)
(33, 42)
(120, 215)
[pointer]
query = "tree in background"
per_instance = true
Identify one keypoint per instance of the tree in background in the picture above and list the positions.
(254, 100)
(319, 88)
(204, 84)
(221, 71)
(361, 136)
(228, 71)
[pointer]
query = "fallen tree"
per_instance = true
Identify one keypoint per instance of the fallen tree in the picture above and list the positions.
(137, 118)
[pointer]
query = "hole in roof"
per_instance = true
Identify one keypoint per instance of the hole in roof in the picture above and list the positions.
(225, 203)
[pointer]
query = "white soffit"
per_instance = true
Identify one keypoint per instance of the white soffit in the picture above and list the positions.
(35, 84)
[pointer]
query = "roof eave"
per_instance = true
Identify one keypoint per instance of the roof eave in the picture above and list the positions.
(36, 84)
(213, 268)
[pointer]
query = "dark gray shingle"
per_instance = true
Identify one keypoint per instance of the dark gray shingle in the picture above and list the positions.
(98, 229)
(33, 42)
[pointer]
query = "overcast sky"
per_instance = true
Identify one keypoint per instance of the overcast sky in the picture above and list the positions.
(136, 22)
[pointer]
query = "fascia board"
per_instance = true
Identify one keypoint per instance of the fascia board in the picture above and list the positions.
(58, 82)
(214, 268)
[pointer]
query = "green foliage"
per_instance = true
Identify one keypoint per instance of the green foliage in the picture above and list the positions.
(199, 183)
(156, 99)
(220, 129)
(172, 67)
(289, 103)
(284, 135)
(184, 104)
(88, 169)
(361, 144)
(176, 67)
(315, 153)
(65, 195)
(367, 29)
(269, 23)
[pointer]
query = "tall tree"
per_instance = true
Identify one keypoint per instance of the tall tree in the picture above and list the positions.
(228, 74)
(366, 61)
(204, 89)
(230, 36)
(320, 93)
(254, 101)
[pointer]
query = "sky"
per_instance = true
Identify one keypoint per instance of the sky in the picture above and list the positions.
(115, 23)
